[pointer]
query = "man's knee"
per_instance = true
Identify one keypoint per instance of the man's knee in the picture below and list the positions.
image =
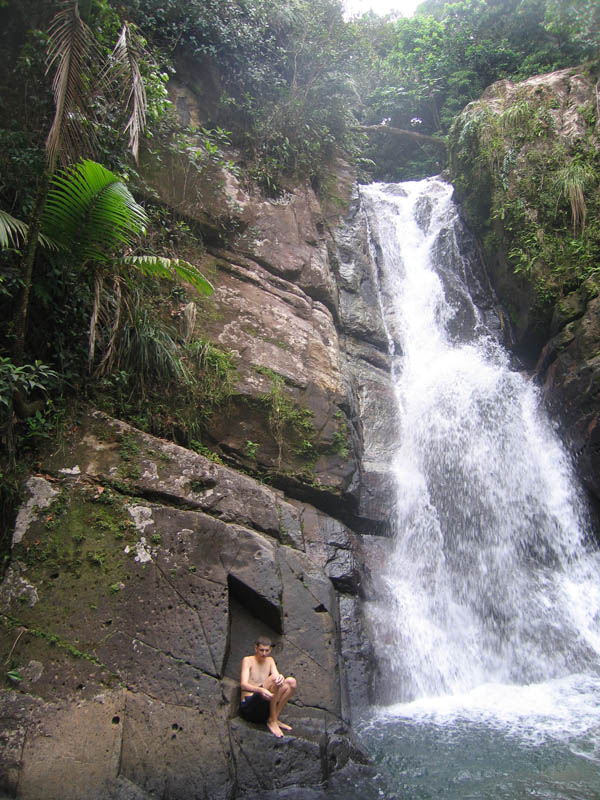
(291, 682)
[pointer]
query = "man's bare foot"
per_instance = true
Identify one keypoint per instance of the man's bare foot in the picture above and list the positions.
(273, 726)
(284, 726)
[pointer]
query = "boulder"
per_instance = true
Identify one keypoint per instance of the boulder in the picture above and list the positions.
(136, 585)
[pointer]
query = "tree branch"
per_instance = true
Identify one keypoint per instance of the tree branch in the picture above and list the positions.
(419, 137)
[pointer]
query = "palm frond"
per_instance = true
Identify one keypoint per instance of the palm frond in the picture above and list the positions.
(72, 49)
(148, 350)
(571, 182)
(90, 209)
(161, 267)
(12, 230)
(113, 328)
(123, 69)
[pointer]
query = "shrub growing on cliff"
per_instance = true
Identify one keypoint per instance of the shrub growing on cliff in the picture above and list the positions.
(532, 194)
(571, 183)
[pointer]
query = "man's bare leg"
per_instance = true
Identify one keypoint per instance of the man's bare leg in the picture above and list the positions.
(281, 694)
(284, 694)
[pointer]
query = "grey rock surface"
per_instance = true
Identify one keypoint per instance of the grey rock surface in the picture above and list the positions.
(133, 595)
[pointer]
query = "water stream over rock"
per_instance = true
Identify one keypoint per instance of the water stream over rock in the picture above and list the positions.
(487, 625)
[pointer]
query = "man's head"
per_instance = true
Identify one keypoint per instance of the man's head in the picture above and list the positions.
(262, 647)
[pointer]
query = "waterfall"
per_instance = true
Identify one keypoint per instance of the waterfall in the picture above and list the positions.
(493, 577)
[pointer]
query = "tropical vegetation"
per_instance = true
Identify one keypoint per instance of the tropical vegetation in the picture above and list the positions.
(91, 256)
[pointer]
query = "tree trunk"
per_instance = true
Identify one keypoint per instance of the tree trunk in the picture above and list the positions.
(419, 137)
(22, 310)
(98, 285)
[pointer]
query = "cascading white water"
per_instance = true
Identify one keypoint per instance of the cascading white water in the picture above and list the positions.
(493, 580)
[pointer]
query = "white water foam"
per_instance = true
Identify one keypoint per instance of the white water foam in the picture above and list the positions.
(490, 605)
(561, 710)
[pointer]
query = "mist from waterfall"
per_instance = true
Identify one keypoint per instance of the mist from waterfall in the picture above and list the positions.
(489, 607)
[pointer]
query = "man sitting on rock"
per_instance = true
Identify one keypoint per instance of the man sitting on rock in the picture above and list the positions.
(264, 690)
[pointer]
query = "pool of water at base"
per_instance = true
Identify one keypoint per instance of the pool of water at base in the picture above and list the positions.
(463, 760)
(497, 742)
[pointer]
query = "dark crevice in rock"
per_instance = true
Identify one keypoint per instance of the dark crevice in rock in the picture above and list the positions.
(340, 507)
(227, 648)
(136, 492)
(346, 586)
(258, 606)
(233, 793)
(326, 711)
(121, 736)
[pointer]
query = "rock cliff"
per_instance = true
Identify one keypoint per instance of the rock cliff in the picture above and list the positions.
(525, 161)
(142, 572)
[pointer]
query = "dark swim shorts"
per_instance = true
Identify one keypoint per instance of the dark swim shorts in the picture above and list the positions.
(254, 708)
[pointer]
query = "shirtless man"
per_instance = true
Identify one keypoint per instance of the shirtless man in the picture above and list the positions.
(264, 689)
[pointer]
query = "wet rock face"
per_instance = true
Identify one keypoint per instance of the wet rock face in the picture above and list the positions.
(569, 369)
(367, 367)
(139, 580)
(290, 401)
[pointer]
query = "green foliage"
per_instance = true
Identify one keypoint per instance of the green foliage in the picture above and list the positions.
(129, 449)
(26, 379)
(283, 86)
(90, 212)
(340, 443)
(205, 451)
(214, 372)
(251, 449)
(171, 269)
(571, 182)
(577, 22)
(539, 195)
(166, 387)
(12, 230)
(291, 424)
(149, 351)
(419, 73)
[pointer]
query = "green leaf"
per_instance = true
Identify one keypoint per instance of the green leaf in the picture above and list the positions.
(91, 212)
(170, 268)
(12, 230)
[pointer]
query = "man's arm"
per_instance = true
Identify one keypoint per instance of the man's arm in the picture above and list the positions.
(245, 684)
(273, 671)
